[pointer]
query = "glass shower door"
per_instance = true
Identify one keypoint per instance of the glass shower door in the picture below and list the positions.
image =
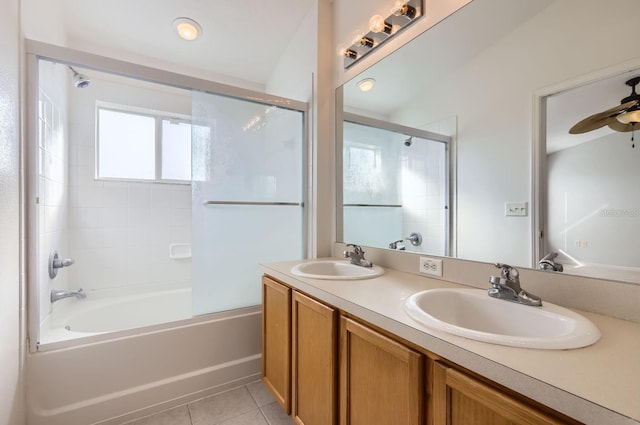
(247, 197)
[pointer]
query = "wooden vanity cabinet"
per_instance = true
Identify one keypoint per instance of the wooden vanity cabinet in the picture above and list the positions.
(315, 368)
(326, 368)
(299, 353)
(459, 399)
(276, 340)
(381, 380)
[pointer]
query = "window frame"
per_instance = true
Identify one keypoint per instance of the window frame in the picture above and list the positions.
(159, 117)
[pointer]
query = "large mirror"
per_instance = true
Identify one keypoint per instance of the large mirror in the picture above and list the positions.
(476, 79)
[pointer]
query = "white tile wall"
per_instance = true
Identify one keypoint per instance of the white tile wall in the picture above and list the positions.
(52, 180)
(121, 231)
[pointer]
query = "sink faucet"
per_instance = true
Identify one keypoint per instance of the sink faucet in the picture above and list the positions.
(547, 263)
(507, 287)
(58, 294)
(357, 256)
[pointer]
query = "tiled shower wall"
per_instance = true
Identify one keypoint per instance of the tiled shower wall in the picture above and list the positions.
(424, 196)
(121, 232)
(53, 178)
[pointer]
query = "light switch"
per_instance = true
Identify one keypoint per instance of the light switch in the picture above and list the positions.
(518, 209)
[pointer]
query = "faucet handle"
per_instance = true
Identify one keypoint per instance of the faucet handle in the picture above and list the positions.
(508, 272)
(356, 248)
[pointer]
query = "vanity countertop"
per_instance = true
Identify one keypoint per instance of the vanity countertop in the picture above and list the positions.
(599, 384)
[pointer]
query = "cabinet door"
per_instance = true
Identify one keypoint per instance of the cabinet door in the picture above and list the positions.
(462, 400)
(381, 380)
(276, 340)
(314, 346)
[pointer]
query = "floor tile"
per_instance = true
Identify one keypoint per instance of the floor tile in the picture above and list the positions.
(221, 407)
(275, 415)
(253, 417)
(177, 416)
(260, 393)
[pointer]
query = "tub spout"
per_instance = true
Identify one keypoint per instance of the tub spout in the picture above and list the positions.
(57, 294)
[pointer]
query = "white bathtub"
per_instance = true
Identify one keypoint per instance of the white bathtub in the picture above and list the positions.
(97, 314)
(120, 360)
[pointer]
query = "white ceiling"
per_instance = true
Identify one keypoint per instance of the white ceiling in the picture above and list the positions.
(243, 39)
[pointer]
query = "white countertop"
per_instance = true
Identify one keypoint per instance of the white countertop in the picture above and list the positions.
(599, 384)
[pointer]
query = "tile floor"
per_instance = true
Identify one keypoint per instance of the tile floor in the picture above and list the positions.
(251, 404)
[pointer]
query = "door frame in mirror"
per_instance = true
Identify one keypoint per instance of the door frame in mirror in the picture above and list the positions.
(539, 148)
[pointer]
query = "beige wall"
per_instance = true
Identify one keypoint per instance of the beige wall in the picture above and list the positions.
(11, 346)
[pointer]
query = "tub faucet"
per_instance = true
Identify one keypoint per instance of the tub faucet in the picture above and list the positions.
(357, 256)
(507, 287)
(397, 245)
(547, 263)
(58, 294)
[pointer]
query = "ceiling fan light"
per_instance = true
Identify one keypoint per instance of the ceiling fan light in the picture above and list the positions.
(629, 117)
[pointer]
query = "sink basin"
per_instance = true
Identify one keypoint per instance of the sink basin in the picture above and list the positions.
(471, 313)
(335, 270)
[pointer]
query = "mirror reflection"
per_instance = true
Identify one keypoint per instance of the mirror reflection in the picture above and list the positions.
(472, 77)
(592, 202)
(395, 186)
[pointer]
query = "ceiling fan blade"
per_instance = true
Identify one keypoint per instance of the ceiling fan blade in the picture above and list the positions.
(601, 119)
(589, 124)
(618, 126)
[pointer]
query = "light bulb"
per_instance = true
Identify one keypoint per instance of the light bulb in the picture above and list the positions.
(366, 84)
(629, 117)
(187, 29)
(377, 24)
(397, 6)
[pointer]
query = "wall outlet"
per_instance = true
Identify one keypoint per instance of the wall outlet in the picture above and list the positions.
(430, 266)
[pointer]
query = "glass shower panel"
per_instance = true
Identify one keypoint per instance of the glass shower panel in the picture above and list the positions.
(394, 185)
(371, 185)
(247, 194)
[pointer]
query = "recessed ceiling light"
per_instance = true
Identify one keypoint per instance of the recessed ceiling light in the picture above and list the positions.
(366, 84)
(187, 28)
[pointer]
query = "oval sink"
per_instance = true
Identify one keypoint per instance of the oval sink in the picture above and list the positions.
(335, 270)
(471, 313)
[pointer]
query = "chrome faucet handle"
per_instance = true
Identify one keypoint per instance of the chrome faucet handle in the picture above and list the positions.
(55, 263)
(357, 256)
(507, 287)
(509, 272)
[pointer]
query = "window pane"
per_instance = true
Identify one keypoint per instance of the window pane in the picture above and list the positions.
(126, 145)
(176, 150)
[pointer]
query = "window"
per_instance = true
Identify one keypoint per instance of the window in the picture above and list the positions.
(142, 145)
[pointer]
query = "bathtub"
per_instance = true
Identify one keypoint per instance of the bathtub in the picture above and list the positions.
(119, 359)
(113, 312)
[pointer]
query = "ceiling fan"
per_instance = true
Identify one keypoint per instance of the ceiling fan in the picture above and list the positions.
(623, 117)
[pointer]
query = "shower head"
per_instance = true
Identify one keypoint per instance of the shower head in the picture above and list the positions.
(79, 80)
(409, 141)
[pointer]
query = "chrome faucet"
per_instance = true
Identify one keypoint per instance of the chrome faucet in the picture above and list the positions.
(58, 294)
(547, 263)
(357, 256)
(507, 287)
(397, 245)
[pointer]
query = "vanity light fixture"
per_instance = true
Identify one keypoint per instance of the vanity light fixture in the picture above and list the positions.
(381, 29)
(366, 84)
(187, 28)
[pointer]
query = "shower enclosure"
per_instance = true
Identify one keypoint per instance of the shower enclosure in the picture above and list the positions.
(395, 186)
(165, 196)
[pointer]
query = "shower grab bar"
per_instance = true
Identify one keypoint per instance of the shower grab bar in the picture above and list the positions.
(373, 205)
(295, 204)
